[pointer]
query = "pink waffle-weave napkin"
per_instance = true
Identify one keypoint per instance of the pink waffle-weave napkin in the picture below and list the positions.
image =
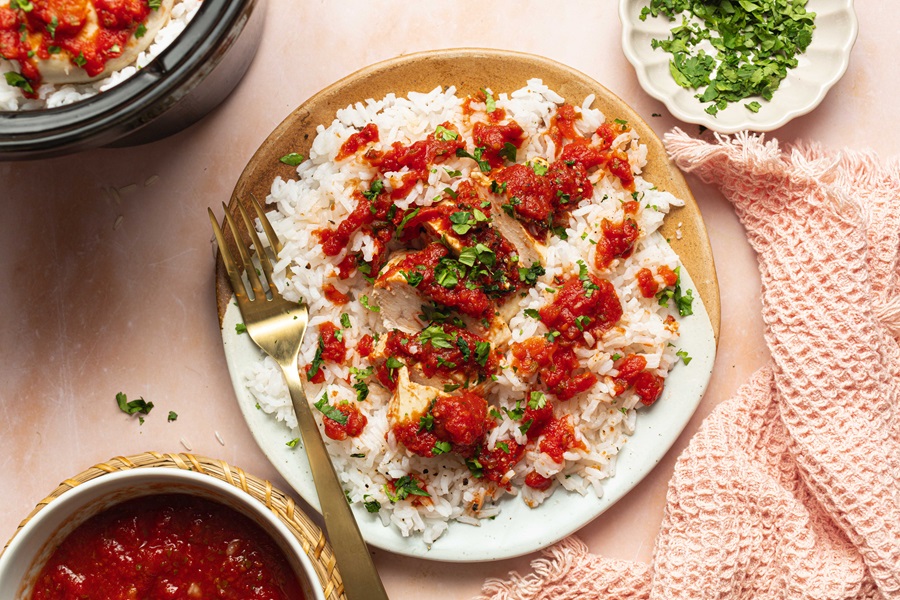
(791, 489)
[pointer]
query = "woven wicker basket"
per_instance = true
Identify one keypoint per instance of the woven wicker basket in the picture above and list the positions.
(310, 536)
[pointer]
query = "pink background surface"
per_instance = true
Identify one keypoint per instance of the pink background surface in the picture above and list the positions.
(102, 296)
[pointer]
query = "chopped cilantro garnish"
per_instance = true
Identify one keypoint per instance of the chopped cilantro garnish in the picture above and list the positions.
(616, 356)
(683, 301)
(462, 222)
(444, 134)
(345, 320)
(483, 165)
(524, 427)
(533, 313)
(54, 23)
(503, 446)
(440, 448)
(293, 159)
(16, 80)
(482, 351)
(581, 321)
(683, 355)
(451, 387)
(539, 167)
(516, 413)
(24, 5)
(537, 400)
(406, 218)
(134, 406)
(508, 152)
(375, 188)
(755, 42)
(403, 487)
(292, 443)
(413, 278)
(364, 300)
(436, 336)
(463, 346)
(173, 416)
(80, 60)
(317, 361)
(453, 173)
(530, 275)
(475, 467)
(330, 411)
(490, 105)
(373, 505)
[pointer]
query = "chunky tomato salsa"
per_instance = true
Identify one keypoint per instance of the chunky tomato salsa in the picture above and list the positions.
(167, 546)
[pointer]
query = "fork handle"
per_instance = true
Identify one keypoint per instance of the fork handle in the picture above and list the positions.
(358, 573)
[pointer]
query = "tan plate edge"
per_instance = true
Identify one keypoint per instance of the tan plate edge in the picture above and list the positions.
(470, 69)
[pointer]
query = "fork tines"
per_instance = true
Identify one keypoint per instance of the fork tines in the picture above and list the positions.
(231, 267)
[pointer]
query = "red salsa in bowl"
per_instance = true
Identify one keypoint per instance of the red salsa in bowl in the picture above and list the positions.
(168, 546)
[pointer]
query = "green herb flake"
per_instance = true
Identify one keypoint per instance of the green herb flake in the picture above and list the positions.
(440, 448)
(317, 361)
(54, 23)
(436, 336)
(538, 167)
(530, 275)
(23, 5)
(490, 105)
(508, 152)
(293, 159)
(173, 416)
(139, 406)
(16, 80)
(503, 446)
(532, 312)
(372, 505)
(482, 351)
(537, 400)
(330, 411)
(413, 278)
(477, 154)
(292, 443)
(406, 219)
(345, 321)
(683, 300)
(404, 487)
(444, 134)
(364, 300)
(375, 189)
(683, 355)
(80, 60)
(615, 356)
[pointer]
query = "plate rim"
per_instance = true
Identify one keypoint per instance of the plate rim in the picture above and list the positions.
(274, 147)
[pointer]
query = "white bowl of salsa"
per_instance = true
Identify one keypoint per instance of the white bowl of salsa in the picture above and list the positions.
(169, 532)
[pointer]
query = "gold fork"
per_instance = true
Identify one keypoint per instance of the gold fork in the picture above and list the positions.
(277, 326)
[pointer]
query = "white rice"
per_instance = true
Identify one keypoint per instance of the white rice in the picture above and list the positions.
(321, 196)
(53, 95)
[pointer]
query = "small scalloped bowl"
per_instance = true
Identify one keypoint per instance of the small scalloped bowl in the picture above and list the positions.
(819, 68)
(32, 546)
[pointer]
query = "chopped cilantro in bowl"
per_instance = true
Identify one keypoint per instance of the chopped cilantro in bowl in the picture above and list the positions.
(735, 65)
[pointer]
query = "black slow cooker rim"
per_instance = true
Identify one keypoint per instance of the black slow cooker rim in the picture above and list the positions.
(104, 117)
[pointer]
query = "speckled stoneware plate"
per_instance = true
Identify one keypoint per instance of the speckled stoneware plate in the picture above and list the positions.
(513, 532)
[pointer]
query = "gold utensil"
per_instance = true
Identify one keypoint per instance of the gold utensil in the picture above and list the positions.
(277, 326)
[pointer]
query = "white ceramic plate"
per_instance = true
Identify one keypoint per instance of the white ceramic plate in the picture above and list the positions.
(518, 529)
(820, 67)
